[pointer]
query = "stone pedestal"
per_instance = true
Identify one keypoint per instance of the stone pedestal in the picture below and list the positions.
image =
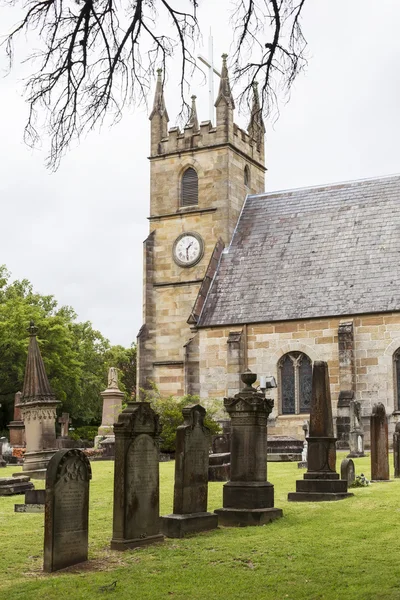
(191, 477)
(17, 427)
(396, 450)
(219, 466)
(379, 444)
(136, 517)
(12, 486)
(112, 404)
(321, 482)
(248, 498)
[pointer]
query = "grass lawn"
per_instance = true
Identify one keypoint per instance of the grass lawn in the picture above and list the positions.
(332, 550)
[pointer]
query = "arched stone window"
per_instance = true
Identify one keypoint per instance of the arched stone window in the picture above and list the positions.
(295, 378)
(190, 188)
(247, 176)
(396, 369)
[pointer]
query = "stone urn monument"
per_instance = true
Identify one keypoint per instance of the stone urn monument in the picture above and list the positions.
(112, 407)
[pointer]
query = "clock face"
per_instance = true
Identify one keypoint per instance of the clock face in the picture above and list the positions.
(188, 249)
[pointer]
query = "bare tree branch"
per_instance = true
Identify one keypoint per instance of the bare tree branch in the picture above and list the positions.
(96, 57)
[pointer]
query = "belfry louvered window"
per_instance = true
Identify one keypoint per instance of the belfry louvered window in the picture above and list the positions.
(190, 188)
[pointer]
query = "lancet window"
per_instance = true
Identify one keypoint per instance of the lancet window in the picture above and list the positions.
(295, 378)
(190, 188)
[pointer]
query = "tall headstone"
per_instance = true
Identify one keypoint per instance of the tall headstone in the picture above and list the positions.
(396, 450)
(136, 516)
(17, 427)
(379, 444)
(356, 436)
(191, 477)
(38, 412)
(112, 404)
(66, 520)
(248, 498)
(321, 482)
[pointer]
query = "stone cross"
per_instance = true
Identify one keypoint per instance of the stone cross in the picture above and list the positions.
(379, 444)
(66, 518)
(136, 517)
(248, 498)
(321, 482)
(191, 477)
(65, 421)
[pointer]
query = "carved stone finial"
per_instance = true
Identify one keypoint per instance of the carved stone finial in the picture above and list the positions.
(248, 379)
(32, 328)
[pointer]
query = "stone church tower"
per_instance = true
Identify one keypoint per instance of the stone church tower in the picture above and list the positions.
(199, 180)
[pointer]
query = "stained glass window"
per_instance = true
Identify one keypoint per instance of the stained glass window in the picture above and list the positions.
(295, 383)
(287, 386)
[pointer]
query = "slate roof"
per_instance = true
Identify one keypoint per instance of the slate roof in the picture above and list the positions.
(311, 252)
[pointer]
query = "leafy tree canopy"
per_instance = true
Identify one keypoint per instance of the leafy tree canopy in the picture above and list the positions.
(76, 356)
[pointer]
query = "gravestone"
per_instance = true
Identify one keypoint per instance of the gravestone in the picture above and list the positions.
(65, 421)
(17, 427)
(136, 516)
(304, 454)
(2, 461)
(35, 501)
(321, 482)
(379, 444)
(248, 498)
(396, 450)
(13, 486)
(66, 520)
(347, 471)
(356, 435)
(191, 477)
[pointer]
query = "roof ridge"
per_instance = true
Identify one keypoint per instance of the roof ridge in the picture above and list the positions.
(323, 186)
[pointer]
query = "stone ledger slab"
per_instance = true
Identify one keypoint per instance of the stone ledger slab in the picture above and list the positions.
(66, 522)
(13, 486)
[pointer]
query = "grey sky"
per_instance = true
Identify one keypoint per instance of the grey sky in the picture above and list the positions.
(78, 233)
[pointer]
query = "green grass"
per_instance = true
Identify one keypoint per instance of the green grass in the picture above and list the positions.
(340, 550)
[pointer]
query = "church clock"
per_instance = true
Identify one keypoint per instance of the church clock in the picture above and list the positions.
(188, 249)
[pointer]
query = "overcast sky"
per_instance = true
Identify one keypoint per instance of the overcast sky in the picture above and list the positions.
(78, 233)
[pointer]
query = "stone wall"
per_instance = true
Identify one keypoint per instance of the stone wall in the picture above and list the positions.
(376, 338)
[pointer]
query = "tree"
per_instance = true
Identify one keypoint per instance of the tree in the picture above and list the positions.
(76, 356)
(97, 57)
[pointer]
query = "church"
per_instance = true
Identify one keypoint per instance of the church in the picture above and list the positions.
(237, 278)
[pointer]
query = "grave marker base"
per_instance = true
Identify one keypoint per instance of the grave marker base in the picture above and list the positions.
(177, 526)
(136, 542)
(29, 508)
(319, 490)
(243, 517)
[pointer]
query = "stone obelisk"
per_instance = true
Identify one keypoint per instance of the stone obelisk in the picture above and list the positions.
(38, 412)
(321, 482)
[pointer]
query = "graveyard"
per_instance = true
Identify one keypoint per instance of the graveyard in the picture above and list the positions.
(327, 550)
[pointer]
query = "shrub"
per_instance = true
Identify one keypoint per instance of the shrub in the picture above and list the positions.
(87, 432)
(170, 412)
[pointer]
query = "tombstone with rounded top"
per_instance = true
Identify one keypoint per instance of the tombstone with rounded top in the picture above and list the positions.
(191, 477)
(321, 482)
(136, 516)
(379, 444)
(66, 521)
